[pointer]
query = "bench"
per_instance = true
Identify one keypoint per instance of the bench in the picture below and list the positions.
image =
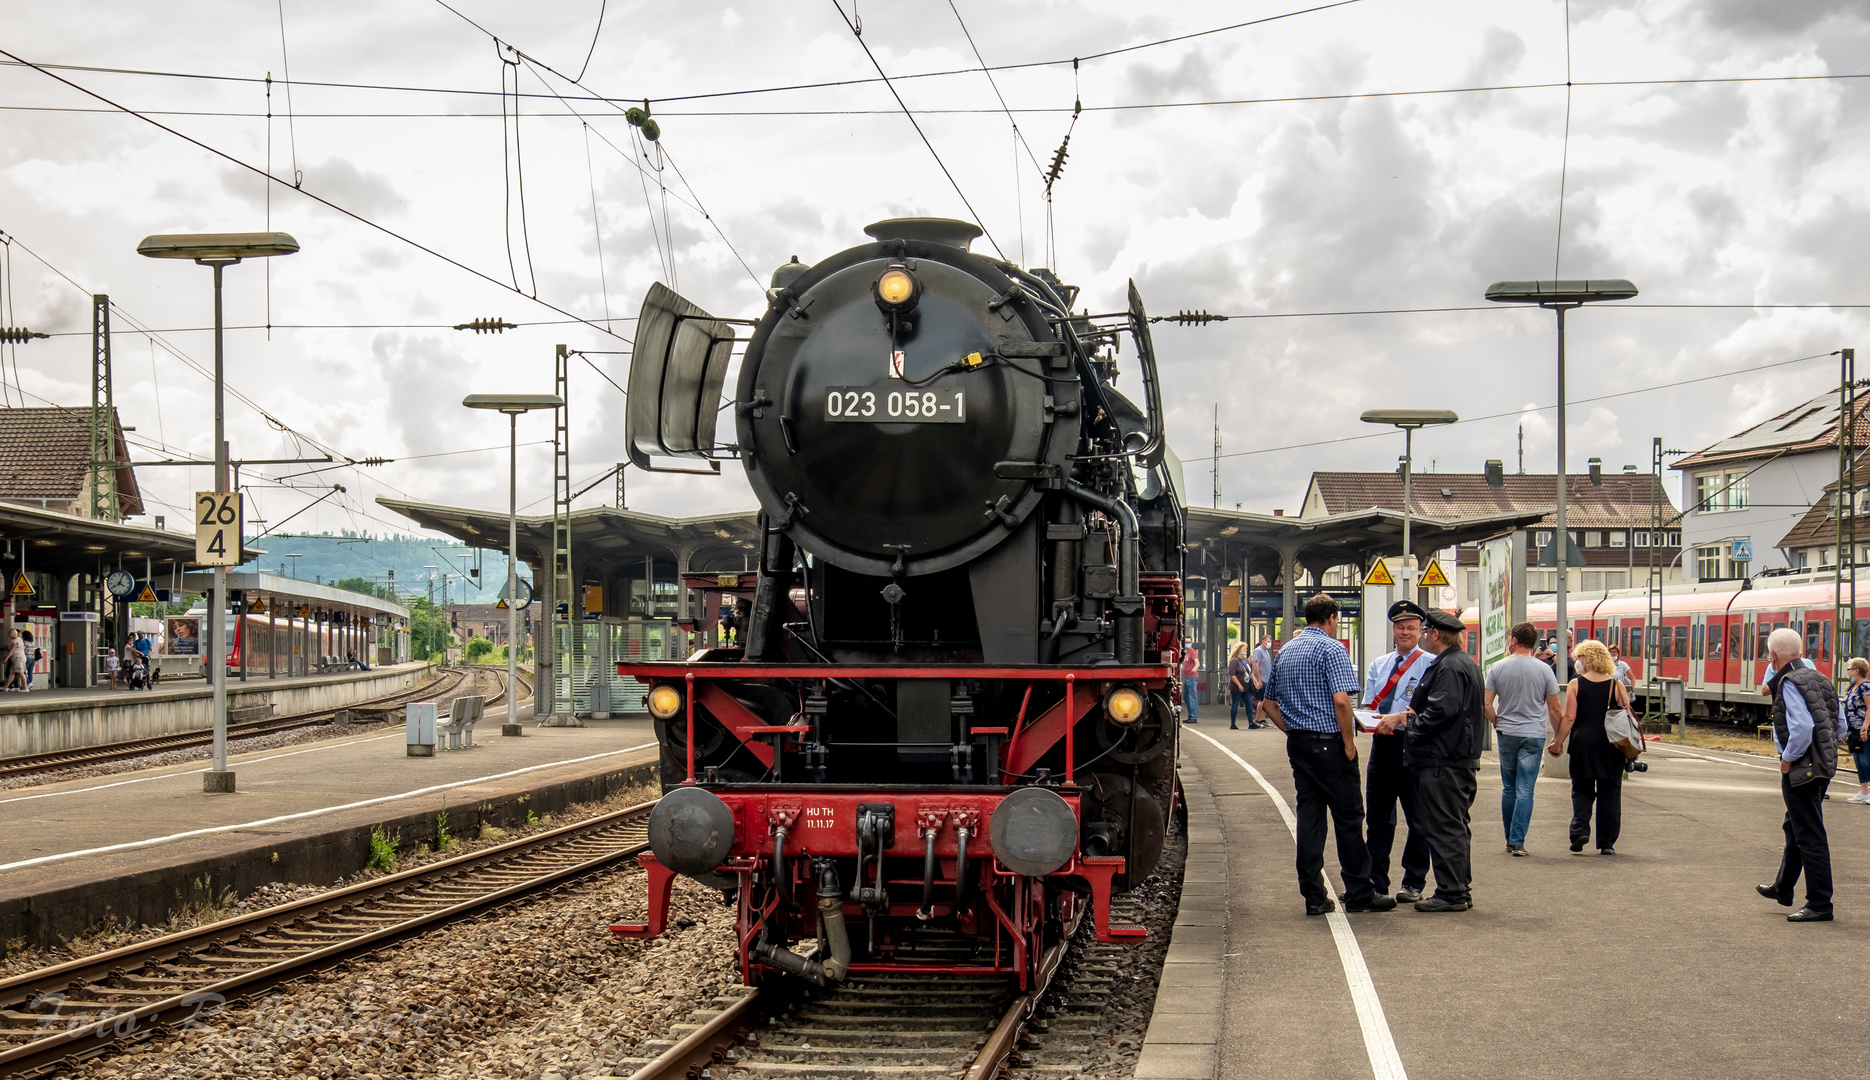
(457, 732)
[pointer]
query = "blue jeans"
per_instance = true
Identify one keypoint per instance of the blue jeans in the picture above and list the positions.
(1519, 770)
(1191, 699)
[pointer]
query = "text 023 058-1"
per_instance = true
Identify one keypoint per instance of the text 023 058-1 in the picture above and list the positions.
(867, 405)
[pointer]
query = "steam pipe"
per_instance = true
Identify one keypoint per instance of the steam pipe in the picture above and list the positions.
(1129, 570)
(960, 869)
(928, 877)
(832, 936)
(779, 862)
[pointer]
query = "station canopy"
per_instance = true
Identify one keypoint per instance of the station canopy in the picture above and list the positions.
(284, 597)
(62, 545)
(602, 535)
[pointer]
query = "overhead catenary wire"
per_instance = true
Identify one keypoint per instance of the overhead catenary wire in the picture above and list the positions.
(1564, 152)
(597, 228)
(919, 132)
(321, 200)
(1540, 408)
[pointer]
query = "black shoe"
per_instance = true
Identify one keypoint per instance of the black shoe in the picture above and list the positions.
(1577, 845)
(1231, 727)
(1771, 892)
(1188, 721)
(1325, 907)
(1607, 851)
(1517, 851)
(1439, 903)
(1377, 902)
(1406, 895)
(1806, 914)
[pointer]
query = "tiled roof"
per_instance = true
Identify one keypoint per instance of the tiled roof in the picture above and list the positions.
(1456, 495)
(44, 453)
(1818, 526)
(1802, 429)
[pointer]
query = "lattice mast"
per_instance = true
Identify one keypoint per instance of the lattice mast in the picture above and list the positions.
(1652, 621)
(1844, 643)
(103, 468)
(563, 626)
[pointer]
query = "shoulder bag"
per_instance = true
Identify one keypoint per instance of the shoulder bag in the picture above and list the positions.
(1620, 728)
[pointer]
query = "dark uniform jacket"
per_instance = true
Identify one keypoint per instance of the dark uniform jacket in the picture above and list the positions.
(1450, 716)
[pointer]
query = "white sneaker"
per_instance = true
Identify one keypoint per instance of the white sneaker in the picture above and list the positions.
(1859, 798)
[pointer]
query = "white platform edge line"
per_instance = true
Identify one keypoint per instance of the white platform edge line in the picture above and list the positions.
(1385, 1062)
(198, 772)
(41, 860)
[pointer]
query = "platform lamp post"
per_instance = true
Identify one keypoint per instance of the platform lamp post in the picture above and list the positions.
(1561, 296)
(219, 251)
(512, 405)
(1408, 420)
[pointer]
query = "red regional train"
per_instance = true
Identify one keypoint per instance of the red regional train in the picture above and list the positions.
(1712, 637)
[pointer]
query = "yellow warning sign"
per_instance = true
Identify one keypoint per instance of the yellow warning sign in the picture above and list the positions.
(502, 604)
(21, 587)
(1379, 575)
(147, 596)
(1433, 577)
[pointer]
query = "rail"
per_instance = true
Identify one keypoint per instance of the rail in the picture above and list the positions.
(160, 986)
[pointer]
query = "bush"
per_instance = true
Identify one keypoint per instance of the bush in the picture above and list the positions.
(383, 849)
(477, 649)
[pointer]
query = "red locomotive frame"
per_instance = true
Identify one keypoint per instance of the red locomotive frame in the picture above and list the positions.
(818, 819)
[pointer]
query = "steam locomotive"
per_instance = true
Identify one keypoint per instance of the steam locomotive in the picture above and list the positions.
(952, 705)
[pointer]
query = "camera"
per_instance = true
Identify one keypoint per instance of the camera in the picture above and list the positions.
(1635, 766)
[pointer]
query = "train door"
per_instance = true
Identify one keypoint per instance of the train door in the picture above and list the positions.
(1697, 649)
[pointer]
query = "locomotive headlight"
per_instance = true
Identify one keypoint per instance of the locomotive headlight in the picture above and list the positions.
(1124, 705)
(897, 290)
(664, 701)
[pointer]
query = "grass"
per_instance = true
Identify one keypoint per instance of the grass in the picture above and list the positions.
(444, 840)
(383, 847)
(1737, 740)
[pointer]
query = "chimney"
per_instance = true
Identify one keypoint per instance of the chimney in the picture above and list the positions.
(1279, 513)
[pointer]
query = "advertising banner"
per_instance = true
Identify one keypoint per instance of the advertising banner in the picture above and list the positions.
(1495, 599)
(184, 635)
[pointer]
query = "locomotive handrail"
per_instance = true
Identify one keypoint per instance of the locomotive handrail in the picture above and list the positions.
(741, 670)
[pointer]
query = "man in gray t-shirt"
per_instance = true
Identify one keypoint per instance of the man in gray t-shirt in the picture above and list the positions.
(1522, 694)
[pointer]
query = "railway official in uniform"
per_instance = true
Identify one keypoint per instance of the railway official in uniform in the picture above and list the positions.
(1309, 698)
(1805, 732)
(1389, 788)
(1445, 724)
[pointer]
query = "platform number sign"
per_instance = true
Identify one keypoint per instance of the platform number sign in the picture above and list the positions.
(218, 520)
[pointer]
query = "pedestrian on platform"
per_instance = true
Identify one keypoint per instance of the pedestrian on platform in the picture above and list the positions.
(1191, 685)
(1446, 724)
(1596, 766)
(1239, 686)
(1389, 786)
(14, 654)
(1857, 726)
(31, 655)
(1309, 698)
(1623, 668)
(1522, 695)
(110, 667)
(1262, 663)
(1805, 723)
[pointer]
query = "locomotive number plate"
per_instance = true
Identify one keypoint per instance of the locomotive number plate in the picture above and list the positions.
(860, 404)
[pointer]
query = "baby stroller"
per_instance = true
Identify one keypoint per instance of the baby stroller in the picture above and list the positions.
(139, 671)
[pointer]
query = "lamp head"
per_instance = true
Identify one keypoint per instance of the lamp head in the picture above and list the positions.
(513, 404)
(222, 248)
(1568, 292)
(1409, 418)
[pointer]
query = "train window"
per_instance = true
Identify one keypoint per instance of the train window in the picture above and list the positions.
(1665, 645)
(1733, 639)
(1681, 643)
(1635, 648)
(1863, 637)
(1473, 643)
(1814, 630)
(1824, 641)
(1694, 643)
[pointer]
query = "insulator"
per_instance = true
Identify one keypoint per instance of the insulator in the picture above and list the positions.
(652, 130)
(374, 461)
(1190, 318)
(1058, 162)
(487, 326)
(16, 334)
(635, 116)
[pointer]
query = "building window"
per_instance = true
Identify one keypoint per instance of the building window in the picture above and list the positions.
(1642, 538)
(1592, 580)
(1716, 491)
(1593, 539)
(1708, 563)
(1616, 579)
(1473, 583)
(1617, 537)
(1542, 538)
(1671, 539)
(1805, 558)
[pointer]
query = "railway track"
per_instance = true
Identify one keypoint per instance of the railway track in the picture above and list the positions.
(34, 764)
(899, 1025)
(49, 1018)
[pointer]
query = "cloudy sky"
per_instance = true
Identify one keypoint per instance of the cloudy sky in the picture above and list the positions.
(1377, 155)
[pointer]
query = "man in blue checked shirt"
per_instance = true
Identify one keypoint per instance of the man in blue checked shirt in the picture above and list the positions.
(1309, 698)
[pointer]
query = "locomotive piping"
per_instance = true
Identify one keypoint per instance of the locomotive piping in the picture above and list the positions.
(1129, 578)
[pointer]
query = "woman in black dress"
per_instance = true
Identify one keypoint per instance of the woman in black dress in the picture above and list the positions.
(1596, 766)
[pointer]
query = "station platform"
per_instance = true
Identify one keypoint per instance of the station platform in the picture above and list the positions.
(136, 846)
(1659, 961)
(47, 721)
